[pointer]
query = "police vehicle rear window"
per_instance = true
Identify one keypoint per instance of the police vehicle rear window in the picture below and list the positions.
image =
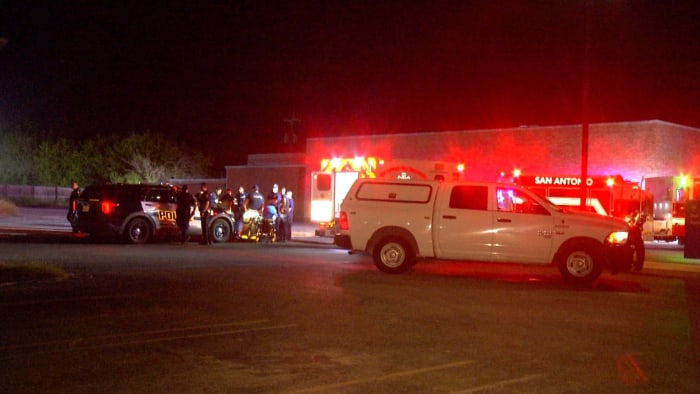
(160, 195)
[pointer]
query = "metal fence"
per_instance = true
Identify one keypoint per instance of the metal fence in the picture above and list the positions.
(54, 195)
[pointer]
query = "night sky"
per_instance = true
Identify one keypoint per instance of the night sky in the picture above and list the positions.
(226, 76)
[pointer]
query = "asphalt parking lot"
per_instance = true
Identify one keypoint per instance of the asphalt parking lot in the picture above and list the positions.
(51, 222)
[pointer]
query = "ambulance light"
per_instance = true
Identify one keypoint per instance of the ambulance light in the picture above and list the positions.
(335, 162)
(516, 173)
(460, 167)
(610, 182)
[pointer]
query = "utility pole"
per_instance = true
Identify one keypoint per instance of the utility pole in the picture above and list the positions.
(584, 102)
(290, 137)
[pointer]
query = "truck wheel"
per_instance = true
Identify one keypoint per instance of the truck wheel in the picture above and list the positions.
(220, 230)
(580, 263)
(138, 231)
(393, 255)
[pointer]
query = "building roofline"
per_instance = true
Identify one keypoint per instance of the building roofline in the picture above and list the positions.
(532, 127)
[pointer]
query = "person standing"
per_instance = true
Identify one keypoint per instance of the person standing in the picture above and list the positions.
(272, 205)
(73, 205)
(282, 208)
(290, 216)
(255, 200)
(204, 206)
(214, 198)
(184, 212)
(238, 209)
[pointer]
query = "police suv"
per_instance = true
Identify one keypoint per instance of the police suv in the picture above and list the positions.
(139, 213)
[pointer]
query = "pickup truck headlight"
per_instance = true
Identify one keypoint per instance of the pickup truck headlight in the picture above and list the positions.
(617, 238)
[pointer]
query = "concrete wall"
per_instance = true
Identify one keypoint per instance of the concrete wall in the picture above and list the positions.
(49, 194)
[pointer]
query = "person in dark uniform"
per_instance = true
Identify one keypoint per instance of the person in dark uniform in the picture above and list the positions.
(184, 212)
(204, 206)
(238, 209)
(289, 218)
(73, 205)
(255, 200)
(282, 209)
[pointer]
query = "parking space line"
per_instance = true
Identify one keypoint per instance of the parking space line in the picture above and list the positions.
(500, 384)
(382, 377)
(62, 300)
(124, 339)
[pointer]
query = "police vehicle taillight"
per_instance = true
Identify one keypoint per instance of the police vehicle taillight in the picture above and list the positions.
(108, 207)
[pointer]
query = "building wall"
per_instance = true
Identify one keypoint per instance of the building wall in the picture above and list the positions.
(634, 150)
(286, 170)
(631, 149)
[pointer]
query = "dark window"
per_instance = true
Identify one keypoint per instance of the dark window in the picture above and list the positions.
(470, 197)
(323, 182)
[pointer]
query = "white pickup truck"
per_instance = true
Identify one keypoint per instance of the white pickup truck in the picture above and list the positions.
(397, 222)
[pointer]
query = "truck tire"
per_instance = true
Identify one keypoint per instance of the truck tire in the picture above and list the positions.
(393, 255)
(220, 230)
(138, 231)
(580, 262)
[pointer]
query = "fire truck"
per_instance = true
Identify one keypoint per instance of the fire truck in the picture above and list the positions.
(605, 195)
(670, 195)
(331, 182)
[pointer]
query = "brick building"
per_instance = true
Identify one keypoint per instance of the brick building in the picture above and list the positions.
(634, 150)
(631, 149)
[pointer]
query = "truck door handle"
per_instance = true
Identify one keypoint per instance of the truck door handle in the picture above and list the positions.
(449, 217)
(502, 220)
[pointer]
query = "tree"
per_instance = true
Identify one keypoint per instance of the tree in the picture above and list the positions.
(151, 158)
(137, 158)
(17, 147)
